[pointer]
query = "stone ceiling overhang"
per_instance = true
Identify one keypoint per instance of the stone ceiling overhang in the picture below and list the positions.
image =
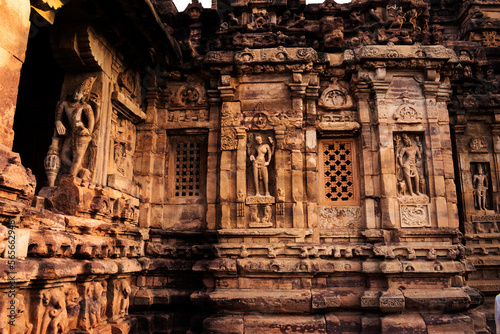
(132, 26)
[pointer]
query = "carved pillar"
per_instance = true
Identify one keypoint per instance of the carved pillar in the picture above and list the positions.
(442, 99)
(311, 163)
(279, 157)
(297, 189)
(241, 168)
(150, 214)
(311, 167)
(298, 88)
(436, 132)
(212, 161)
(495, 131)
(230, 115)
(388, 200)
(367, 161)
(311, 98)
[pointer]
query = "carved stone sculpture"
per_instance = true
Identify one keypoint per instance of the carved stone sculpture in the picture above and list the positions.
(260, 155)
(72, 305)
(408, 158)
(93, 304)
(120, 299)
(14, 315)
(254, 215)
(268, 213)
(80, 118)
(480, 182)
(54, 318)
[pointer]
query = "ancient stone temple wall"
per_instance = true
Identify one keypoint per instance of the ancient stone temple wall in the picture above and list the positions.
(269, 167)
(474, 122)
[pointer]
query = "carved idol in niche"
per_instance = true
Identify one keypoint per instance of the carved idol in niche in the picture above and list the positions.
(260, 154)
(409, 160)
(75, 120)
(480, 184)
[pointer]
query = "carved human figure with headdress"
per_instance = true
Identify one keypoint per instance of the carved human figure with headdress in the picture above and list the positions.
(80, 119)
(260, 156)
(480, 182)
(407, 158)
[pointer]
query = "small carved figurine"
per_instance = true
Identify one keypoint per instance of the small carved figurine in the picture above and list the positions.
(267, 214)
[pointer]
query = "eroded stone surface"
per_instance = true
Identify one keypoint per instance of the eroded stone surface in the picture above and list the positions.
(296, 172)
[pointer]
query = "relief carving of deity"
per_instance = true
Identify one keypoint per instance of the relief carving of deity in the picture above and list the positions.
(409, 168)
(74, 126)
(260, 154)
(480, 184)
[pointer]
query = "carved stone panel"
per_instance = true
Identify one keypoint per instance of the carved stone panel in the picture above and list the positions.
(228, 138)
(407, 112)
(478, 145)
(123, 137)
(118, 297)
(335, 96)
(261, 216)
(332, 217)
(414, 215)
(51, 313)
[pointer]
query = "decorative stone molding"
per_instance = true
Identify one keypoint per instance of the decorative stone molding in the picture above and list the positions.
(437, 52)
(252, 200)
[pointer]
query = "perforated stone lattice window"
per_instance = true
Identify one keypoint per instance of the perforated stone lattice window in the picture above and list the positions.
(338, 171)
(187, 169)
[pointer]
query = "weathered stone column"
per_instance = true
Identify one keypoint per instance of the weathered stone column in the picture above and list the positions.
(298, 88)
(16, 182)
(232, 147)
(385, 157)
(13, 42)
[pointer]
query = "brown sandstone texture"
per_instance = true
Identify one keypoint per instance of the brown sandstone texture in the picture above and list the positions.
(258, 167)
